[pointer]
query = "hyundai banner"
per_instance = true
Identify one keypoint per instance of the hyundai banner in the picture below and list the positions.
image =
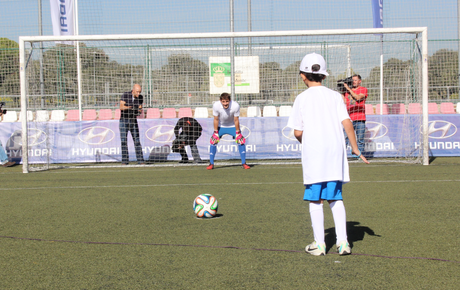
(267, 138)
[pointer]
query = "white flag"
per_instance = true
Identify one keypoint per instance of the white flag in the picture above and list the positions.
(62, 18)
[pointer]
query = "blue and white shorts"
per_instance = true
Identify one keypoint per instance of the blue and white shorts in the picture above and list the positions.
(329, 190)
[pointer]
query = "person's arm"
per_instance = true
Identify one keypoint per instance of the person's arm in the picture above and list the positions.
(355, 96)
(216, 123)
(298, 135)
(123, 104)
(237, 123)
(348, 126)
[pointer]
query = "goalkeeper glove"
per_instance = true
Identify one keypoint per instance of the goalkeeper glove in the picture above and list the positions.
(239, 138)
(214, 138)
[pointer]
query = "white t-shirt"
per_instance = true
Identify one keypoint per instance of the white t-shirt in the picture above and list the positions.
(319, 113)
(226, 116)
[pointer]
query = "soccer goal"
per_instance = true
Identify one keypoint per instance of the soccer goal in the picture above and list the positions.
(71, 88)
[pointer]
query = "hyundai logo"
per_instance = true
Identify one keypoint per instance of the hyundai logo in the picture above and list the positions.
(160, 133)
(244, 131)
(377, 130)
(96, 135)
(440, 129)
(35, 137)
(288, 133)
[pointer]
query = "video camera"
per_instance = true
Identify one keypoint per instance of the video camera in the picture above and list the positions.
(1, 105)
(340, 84)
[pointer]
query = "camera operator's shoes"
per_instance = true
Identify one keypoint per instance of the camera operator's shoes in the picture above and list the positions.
(198, 161)
(245, 166)
(210, 167)
(9, 164)
(184, 161)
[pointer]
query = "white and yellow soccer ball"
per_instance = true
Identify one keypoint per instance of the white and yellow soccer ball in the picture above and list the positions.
(205, 206)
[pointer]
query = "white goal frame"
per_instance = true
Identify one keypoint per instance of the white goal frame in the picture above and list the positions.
(412, 30)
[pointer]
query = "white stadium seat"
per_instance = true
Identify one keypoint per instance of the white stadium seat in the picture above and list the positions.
(10, 116)
(285, 111)
(201, 112)
(254, 111)
(270, 111)
(42, 116)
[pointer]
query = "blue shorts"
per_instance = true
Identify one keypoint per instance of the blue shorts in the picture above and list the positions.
(227, 131)
(330, 190)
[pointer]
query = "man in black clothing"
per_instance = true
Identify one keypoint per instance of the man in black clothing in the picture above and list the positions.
(130, 106)
(191, 131)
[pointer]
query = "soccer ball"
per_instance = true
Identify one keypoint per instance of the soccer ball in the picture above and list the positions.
(205, 206)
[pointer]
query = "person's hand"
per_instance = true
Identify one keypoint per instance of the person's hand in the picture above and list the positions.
(360, 156)
(346, 86)
(214, 138)
(239, 138)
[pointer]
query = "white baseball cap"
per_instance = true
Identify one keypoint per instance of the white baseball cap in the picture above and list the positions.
(311, 59)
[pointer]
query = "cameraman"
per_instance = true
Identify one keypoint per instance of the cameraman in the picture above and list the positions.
(130, 106)
(3, 157)
(191, 131)
(355, 99)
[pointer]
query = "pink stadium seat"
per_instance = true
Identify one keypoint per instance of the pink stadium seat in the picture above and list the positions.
(185, 112)
(105, 114)
(369, 109)
(153, 113)
(117, 114)
(433, 108)
(169, 113)
(398, 109)
(89, 115)
(414, 108)
(447, 108)
(73, 115)
(384, 109)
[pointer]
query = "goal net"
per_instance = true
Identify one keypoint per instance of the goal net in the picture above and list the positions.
(78, 97)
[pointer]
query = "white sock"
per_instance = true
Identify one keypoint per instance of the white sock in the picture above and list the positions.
(340, 220)
(317, 221)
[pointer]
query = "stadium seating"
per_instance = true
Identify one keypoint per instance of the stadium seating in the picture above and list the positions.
(42, 116)
(384, 109)
(117, 114)
(458, 108)
(105, 114)
(398, 109)
(73, 115)
(185, 112)
(30, 116)
(285, 111)
(269, 111)
(57, 115)
(433, 108)
(414, 108)
(447, 108)
(89, 115)
(369, 109)
(153, 113)
(169, 113)
(253, 111)
(10, 116)
(201, 112)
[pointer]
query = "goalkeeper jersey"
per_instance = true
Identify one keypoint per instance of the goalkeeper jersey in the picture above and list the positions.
(226, 116)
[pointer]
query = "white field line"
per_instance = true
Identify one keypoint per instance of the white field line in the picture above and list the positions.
(212, 184)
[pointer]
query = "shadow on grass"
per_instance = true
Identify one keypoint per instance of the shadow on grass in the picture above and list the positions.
(355, 233)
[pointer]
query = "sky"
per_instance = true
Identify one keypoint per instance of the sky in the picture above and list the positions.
(20, 17)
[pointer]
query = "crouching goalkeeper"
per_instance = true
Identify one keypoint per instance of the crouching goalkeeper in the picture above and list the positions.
(227, 121)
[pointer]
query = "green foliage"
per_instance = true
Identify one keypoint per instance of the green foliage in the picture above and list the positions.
(9, 66)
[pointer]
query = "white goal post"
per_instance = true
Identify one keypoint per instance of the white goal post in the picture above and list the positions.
(156, 49)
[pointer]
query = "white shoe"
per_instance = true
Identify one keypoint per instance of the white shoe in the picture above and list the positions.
(343, 248)
(316, 249)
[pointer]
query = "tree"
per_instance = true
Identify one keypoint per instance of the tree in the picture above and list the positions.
(9, 66)
(443, 73)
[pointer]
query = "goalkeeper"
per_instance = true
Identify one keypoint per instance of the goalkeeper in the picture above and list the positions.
(191, 131)
(227, 121)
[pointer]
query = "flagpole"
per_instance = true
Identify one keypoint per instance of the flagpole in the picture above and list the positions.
(78, 57)
(40, 32)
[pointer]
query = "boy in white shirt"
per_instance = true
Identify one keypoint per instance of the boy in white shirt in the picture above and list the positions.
(318, 118)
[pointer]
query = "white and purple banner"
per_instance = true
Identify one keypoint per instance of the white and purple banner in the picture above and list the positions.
(377, 13)
(267, 138)
(62, 18)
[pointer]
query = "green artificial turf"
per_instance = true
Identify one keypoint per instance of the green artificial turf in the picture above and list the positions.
(134, 228)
